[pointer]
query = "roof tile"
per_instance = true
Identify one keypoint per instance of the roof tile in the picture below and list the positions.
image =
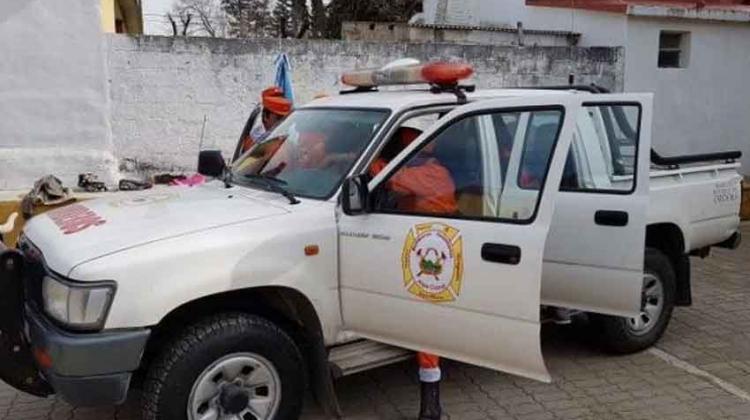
(621, 6)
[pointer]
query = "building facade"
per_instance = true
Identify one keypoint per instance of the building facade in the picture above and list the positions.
(694, 56)
(122, 16)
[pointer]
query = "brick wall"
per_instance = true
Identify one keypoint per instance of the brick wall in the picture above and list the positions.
(161, 87)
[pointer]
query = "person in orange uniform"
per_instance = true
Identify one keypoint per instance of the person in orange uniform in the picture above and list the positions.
(275, 108)
(423, 186)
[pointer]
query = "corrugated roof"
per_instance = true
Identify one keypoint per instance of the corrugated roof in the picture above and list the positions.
(509, 29)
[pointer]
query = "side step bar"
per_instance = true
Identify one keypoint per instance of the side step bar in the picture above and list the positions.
(362, 355)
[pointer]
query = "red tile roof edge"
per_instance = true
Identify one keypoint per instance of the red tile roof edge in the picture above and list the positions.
(621, 6)
(602, 6)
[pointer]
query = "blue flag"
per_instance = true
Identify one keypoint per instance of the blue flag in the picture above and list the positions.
(284, 76)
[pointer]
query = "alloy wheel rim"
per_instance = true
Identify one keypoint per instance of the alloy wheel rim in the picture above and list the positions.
(239, 386)
(652, 305)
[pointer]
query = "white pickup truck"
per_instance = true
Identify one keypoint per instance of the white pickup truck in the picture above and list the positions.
(335, 245)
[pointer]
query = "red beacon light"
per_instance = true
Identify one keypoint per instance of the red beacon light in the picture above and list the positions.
(446, 73)
(407, 72)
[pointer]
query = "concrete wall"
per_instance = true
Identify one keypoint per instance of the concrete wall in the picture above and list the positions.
(706, 106)
(54, 115)
(162, 87)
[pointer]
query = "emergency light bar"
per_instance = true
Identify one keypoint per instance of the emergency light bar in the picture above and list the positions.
(437, 73)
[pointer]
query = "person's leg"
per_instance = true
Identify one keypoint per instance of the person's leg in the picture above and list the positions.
(429, 381)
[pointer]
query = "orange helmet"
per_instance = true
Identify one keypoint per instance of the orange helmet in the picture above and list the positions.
(274, 101)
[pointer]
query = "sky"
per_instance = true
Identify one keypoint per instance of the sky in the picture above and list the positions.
(154, 19)
(153, 16)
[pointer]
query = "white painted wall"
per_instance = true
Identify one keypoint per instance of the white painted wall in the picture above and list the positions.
(706, 106)
(54, 114)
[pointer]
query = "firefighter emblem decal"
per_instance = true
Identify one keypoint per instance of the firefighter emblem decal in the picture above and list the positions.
(432, 262)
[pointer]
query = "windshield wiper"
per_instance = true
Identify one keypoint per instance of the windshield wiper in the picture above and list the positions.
(274, 184)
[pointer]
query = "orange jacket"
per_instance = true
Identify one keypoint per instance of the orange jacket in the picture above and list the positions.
(423, 188)
(247, 143)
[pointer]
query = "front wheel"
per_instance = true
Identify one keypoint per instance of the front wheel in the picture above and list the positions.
(630, 335)
(231, 366)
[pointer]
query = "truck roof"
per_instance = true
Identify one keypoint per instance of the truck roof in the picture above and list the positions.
(397, 100)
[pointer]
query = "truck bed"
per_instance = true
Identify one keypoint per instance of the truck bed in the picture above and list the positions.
(703, 200)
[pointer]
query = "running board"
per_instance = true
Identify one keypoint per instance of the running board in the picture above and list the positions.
(362, 355)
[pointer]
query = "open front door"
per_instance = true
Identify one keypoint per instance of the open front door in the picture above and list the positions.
(444, 260)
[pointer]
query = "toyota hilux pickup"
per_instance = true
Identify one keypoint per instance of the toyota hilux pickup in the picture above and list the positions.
(365, 226)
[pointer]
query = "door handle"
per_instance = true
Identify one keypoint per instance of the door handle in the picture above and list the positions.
(500, 253)
(611, 218)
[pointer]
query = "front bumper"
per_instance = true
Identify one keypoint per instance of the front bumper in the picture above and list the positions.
(40, 358)
(85, 369)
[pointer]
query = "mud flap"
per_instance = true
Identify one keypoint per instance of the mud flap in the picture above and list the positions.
(17, 366)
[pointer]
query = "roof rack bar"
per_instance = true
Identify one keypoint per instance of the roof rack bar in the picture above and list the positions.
(592, 88)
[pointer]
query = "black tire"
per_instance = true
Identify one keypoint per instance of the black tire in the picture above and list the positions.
(170, 378)
(617, 335)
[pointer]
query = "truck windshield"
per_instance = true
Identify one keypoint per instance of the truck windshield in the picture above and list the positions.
(310, 151)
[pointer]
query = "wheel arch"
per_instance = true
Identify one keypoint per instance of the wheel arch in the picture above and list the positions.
(288, 308)
(669, 239)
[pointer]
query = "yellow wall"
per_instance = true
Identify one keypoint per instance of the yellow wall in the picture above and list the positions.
(129, 12)
(108, 15)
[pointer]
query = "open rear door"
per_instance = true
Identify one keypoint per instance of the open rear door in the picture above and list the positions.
(595, 250)
(444, 261)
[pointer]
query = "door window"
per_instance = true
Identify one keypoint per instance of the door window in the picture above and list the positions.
(406, 132)
(487, 166)
(602, 157)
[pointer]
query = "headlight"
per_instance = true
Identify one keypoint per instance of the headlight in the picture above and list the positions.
(82, 306)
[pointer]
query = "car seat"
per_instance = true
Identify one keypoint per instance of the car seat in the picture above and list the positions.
(538, 148)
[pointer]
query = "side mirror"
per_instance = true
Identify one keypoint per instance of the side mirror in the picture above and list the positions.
(355, 196)
(211, 163)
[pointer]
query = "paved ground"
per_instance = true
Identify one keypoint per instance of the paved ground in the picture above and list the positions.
(700, 370)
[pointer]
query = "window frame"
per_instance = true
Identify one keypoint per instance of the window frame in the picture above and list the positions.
(562, 109)
(634, 186)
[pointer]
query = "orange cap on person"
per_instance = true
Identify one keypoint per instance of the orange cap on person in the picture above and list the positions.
(274, 101)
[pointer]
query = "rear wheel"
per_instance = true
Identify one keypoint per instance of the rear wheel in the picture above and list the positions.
(231, 366)
(629, 335)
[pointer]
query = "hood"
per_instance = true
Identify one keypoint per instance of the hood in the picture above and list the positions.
(85, 230)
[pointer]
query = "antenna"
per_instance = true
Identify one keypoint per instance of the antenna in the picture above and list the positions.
(203, 133)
